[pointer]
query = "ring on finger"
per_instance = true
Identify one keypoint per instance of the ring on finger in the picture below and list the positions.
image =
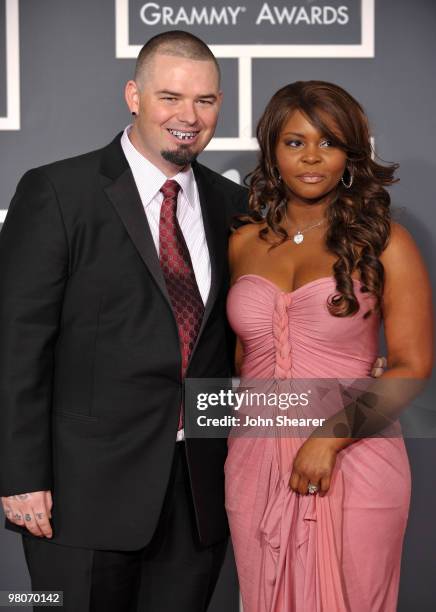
(312, 488)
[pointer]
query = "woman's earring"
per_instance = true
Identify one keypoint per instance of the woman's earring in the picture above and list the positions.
(133, 113)
(350, 182)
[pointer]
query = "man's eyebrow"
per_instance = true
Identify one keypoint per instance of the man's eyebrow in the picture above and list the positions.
(168, 92)
(176, 94)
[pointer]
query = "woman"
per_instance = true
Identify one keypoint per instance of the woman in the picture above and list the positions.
(317, 523)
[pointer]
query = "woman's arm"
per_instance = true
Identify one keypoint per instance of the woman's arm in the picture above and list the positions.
(407, 309)
(408, 327)
(408, 324)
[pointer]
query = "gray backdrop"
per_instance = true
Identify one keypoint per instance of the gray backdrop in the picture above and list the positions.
(71, 101)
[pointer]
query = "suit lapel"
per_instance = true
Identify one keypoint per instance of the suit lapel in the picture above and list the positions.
(214, 220)
(123, 194)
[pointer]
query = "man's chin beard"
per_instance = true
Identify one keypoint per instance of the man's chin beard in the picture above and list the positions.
(182, 156)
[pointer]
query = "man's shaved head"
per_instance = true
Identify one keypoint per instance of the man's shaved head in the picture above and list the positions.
(177, 43)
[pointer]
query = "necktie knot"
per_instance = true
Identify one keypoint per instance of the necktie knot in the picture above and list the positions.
(170, 189)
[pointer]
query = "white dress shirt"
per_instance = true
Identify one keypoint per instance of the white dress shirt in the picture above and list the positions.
(149, 179)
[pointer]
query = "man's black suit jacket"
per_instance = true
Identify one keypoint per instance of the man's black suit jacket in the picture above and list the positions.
(90, 386)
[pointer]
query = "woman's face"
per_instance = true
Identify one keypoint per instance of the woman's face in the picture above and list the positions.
(310, 166)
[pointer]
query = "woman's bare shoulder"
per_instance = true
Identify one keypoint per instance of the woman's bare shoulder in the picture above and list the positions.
(401, 246)
(402, 260)
(245, 234)
(241, 242)
(246, 230)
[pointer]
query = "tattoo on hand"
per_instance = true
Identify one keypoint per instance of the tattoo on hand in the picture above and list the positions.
(27, 517)
(39, 516)
(17, 517)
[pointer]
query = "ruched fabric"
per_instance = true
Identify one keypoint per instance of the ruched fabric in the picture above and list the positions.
(294, 553)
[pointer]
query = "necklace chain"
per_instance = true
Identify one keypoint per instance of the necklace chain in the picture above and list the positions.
(298, 237)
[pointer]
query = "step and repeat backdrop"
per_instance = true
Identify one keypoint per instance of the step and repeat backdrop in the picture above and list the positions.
(63, 66)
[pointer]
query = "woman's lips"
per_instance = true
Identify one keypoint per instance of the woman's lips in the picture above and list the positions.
(311, 178)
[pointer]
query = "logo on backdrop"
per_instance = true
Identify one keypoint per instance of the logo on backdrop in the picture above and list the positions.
(152, 13)
(249, 30)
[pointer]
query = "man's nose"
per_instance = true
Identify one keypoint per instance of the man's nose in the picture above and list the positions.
(187, 112)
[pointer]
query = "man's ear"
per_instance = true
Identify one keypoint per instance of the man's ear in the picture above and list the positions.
(131, 95)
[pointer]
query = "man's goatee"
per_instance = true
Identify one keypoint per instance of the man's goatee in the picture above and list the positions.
(179, 157)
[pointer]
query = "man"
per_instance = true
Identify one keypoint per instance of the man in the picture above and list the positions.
(113, 280)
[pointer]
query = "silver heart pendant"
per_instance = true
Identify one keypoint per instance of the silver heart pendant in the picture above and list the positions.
(298, 238)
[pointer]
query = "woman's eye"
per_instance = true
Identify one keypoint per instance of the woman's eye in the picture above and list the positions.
(293, 143)
(326, 143)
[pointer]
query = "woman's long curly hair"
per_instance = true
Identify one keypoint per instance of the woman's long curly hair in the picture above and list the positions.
(359, 217)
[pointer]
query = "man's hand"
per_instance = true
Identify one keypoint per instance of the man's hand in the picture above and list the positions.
(378, 367)
(30, 510)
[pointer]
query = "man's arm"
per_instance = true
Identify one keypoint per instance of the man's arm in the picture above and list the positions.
(33, 273)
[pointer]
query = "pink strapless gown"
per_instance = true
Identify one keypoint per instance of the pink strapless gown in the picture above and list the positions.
(341, 552)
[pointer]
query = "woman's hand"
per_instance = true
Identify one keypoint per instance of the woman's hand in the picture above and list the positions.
(314, 464)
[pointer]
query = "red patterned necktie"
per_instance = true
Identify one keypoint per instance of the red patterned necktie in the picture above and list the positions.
(179, 274)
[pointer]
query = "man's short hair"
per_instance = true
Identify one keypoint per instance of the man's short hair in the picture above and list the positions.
(177, 43)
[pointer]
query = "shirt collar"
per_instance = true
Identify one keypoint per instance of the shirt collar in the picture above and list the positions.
(149, 179)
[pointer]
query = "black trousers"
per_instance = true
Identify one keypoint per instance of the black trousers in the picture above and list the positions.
(174, 571)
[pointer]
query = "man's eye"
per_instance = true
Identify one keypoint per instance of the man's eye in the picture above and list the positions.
(206, 102)
(169, 98)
